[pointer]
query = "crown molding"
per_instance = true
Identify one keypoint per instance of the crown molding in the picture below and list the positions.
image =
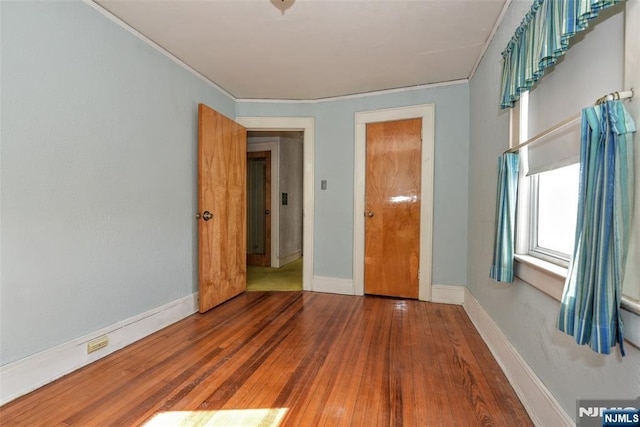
(154, 45)
(355, 95)
(490, 38)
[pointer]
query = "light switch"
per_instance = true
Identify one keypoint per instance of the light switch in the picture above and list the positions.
(323, 184)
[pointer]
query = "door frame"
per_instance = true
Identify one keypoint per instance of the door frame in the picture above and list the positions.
(273, 147)
(306, 124)
(427, 113)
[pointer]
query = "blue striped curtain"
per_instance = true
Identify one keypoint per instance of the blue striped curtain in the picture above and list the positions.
(590, 308)
(542, 38)
(502, 265)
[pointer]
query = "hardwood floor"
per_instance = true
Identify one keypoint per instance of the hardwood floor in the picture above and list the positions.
(323, 359)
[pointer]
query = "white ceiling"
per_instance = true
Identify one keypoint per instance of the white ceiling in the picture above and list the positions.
(317, 48)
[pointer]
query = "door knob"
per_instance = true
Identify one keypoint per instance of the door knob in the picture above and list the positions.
(206, 215)
(370, 214)
(267, 212)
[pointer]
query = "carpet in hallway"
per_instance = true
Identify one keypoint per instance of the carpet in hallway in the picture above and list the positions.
(285, 278)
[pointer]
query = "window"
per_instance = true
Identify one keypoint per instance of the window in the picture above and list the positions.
(549, 178)
(548, 199)
(554, 207)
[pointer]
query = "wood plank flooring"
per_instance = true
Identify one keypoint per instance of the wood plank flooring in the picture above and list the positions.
(290, 359)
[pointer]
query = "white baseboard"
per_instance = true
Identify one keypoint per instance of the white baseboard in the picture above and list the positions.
(540, 404)
(25, 375)
(447, 294)
(289, 258)
(332, 285)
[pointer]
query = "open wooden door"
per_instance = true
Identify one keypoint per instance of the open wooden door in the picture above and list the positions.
(222, 154)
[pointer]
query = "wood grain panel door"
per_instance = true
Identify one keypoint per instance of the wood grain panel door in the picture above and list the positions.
(392, 223)
(259, 208)
(222, 160)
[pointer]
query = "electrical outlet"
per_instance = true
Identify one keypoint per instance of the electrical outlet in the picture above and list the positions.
(97, 344)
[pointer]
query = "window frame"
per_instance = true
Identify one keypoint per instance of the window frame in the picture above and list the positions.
(527, 204)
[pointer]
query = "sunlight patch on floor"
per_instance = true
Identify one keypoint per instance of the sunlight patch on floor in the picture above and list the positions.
(269, 417)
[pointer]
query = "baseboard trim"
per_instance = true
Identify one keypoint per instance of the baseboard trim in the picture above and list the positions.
(282, 261)
(25, 375)
(332, 285)
(540, 404)
(447, 294)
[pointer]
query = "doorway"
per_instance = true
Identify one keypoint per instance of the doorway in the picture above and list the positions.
(425, 112)
(392, 219)
(275, 182)
(307, 126)
(259, 208)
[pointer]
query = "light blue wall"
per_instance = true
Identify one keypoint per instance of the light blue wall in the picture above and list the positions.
(98, 175)
(334, 161)
(523, 313)
(99, 168)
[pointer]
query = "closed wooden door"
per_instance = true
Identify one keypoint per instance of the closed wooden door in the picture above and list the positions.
(392, 216)
(222, 160)
(259, 208)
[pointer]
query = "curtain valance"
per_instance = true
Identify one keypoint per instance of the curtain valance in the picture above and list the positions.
(543, 37)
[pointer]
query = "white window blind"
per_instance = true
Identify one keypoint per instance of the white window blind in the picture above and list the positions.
(555, 150)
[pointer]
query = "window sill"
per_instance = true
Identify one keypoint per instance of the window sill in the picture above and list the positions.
(549, 278)
(542, 275)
